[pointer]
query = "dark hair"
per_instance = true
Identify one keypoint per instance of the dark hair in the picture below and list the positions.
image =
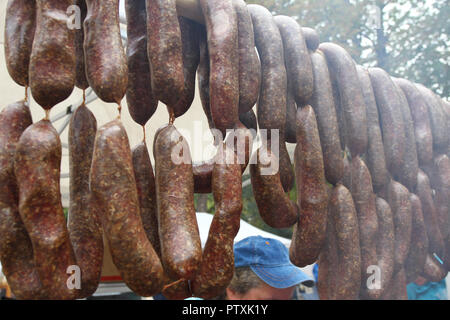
(244, 279)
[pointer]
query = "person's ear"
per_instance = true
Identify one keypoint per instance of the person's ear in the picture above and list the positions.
(231, 295)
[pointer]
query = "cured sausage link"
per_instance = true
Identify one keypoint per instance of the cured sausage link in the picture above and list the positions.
(141, 102)
(131, 251)
(181, 250)
(344, 74)
(223, 46)
(37, 169)
(274, 206)
(16, 251)
(52, 63)
(312, 196)
(106, 62)
(164, 48)
(83, 223)
(271, 106)
(20, 25)
(217, 267)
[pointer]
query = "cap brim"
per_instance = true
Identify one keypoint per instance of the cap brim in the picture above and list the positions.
(281, 277)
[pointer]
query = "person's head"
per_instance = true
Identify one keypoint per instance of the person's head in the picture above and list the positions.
(263, 271)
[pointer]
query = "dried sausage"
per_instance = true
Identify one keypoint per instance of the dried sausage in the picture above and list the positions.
(20, 25)
(140, 99)
(424, 191)
(177, 224)
(217, 267)
(422, 125)
(440, 182)
(312, 196)
(84, 225)
(191, 59)
(398, 198)
(438, 119)
(274, 206)
(132, 253)
(408, 174)
(311, 38)
(297, 59)
(323, 105)
(249, 66)
(165, 51)
(106, 62)
(52, 63)
(385, 243)
(348, 267)
(272, 100)
(222, 33)
(80, 79)
(433, 270)
(364, 199)
(16, 251)
(391, 119)
(375, 158)
(415, 262)
(146, 189)
(37, 169)
(343, 71)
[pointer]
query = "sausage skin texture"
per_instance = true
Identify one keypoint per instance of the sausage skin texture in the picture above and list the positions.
(398, 198)
(20, 25)
(217, 267)
(424, 191)
(433, 270)
(84, 225)
(311, 38)
(191, 58)
(327, 262)
(438, 119)
(391, 120)
(146, 188)
(105, 58)
(297, 60)
(223, 46)
(249, 66)
(164, 49)
(364, 199)
(348, 268)
(37, 169)
(274, 206)
(440, 182)
(408, 175)
(323, 105)
(415, 262)
(52, 69)
(375, 158)
(16, 251)
(177, 224)
(343, 71)
(385, 243)
(80, 80)
(422, 124)
(140, 99)
(132, 253)
(271, 107)
(312, 196)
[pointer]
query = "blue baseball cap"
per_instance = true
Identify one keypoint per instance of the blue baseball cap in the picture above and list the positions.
(269, 260)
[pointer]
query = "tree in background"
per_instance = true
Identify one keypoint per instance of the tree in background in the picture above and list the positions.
(407, 38)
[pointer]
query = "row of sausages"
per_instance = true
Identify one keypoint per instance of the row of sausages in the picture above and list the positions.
(348, 215)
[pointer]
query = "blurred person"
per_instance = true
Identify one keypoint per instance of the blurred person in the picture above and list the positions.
(263, 271)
